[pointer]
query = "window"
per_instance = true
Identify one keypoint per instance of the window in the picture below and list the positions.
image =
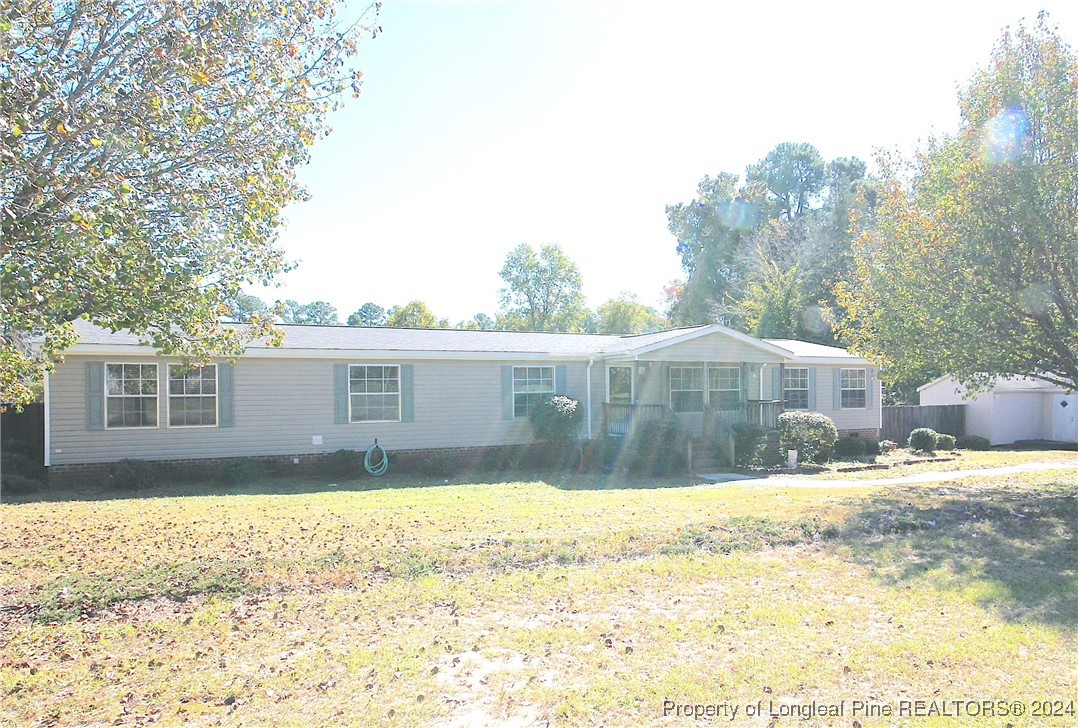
(620, 385)
(130, 395)
(687, 389)
(724, 385)
(531, 385)
(192, 396)
(795, 388)
(854, 388)
(374, 393)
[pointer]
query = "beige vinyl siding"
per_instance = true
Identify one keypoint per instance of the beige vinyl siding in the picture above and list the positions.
(280, 403)
(712, 348)
(845, 419)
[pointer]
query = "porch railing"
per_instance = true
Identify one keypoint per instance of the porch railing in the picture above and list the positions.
(621, 418)
(764, 413)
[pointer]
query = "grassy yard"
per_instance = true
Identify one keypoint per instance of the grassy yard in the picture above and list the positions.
(569, 602)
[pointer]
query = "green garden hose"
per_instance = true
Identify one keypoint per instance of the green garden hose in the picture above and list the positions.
(382, 466)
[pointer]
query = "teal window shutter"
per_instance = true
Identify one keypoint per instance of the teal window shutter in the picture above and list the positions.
(838, 388)
(95, 395)
(743, 376)
(812, 389)
(776, 384)
(340, 393)
(407, 397)
(507, 392)
(870, 387)
(226, 413)
(559, 380)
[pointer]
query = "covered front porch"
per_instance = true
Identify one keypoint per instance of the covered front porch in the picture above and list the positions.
(706, 398)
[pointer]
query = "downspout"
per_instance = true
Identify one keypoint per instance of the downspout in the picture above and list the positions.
(590, 362)
(760, 384)
(48, 428)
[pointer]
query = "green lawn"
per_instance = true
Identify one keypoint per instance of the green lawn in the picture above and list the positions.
(579, 602)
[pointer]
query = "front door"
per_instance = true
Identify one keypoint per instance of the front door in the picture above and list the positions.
(619, 385)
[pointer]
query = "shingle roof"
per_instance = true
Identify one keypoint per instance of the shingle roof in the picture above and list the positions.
(306, 338)
(354, 338)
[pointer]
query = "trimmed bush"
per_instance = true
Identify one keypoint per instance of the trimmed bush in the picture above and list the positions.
(945, 442)
(887, 446)
(555, 420)
(810, 433)
(16, 462)
(849, 447)
(872, 448)
(15, 484)
(750, 441)
(923, 439)
(132, 474)
(657, 447)
(239, 472)
(437, 465)
(342, 464)
(973, 442)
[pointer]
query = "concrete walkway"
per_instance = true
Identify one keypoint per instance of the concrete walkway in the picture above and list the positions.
(808, 481)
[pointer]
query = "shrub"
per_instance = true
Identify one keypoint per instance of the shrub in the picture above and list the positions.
(15, 484)
(872, 448)
(243, 471)
(810, 433)
(342, 464)
(750, 441)
(945, 442)
(131, 474)
(887, 446)
(601, 453)
(555, 420)
(437, 465)
(973, 442)
(657, 447)
(849, 447)
(923, 439)
(17, 462)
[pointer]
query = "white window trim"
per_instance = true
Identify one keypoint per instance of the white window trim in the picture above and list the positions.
(702, 390)
(632, 381)
(553, 385)
(400, 395)
(710, 389)
(105, 389)
(216, 399)
(852, 389)
(807, 389)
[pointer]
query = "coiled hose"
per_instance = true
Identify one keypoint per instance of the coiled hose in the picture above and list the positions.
(376, 469)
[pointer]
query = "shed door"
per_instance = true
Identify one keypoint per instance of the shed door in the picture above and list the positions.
(1065, 418)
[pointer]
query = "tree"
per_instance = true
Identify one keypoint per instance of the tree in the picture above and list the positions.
(793, 174)
(774, 304)
(626, 315)
(316, 313)
(246, 307)
(969, 268)
(479, 322)
(709, 231)
(369, 314)
(146, 152)
(542, 291)
(412, 315)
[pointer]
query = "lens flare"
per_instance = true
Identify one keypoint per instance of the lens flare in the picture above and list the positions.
(1004, 135)
(740, 215)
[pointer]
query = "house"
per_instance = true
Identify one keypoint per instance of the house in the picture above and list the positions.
(420, 390)
(1013, 409)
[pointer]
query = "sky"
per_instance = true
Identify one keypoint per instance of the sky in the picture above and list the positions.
(485, 125)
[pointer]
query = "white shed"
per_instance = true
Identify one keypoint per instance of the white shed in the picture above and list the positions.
(1016, 408)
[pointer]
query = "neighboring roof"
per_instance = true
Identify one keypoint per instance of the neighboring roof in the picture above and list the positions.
(1003, 385)
(300, 339)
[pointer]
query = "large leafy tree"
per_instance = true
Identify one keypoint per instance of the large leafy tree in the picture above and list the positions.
(413, 315)
(970, 268)
(369, 314)
(542, 291)
(626, 315)
(146, 151)
(793, 174)
(245, 307)
(317, 313)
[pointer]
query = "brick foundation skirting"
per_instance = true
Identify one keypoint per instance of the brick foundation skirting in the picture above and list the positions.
(432, 461)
